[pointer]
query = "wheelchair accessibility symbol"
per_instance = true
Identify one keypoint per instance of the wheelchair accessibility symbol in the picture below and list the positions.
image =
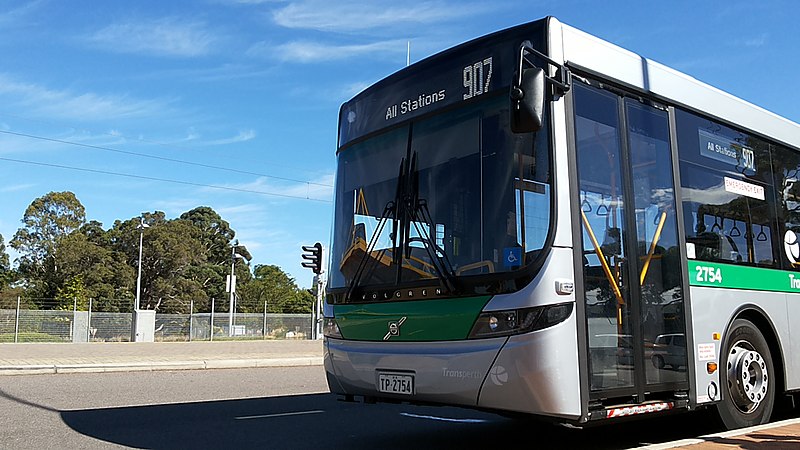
(512, 257)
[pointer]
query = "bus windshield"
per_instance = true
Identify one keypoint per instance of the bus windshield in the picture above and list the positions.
(451, 195)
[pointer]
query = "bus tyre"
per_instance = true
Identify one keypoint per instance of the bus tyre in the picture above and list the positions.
(747, 377)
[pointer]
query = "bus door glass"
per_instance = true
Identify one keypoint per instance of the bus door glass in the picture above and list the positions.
(632, 278)
(661, 305)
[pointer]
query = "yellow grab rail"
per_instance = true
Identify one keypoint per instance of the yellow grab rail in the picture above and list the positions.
(603, 262)
(656, 237)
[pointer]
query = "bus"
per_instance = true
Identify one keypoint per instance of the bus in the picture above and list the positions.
(540, 222)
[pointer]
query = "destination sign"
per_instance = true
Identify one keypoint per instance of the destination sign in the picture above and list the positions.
(727, 151)
(471, 70)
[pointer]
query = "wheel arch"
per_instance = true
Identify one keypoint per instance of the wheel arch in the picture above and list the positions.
(764, 324)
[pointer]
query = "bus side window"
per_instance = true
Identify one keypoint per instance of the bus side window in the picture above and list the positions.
(786, 165)
(729, 206)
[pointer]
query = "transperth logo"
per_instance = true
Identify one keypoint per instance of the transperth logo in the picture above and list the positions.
(498, 375)
(791, 247)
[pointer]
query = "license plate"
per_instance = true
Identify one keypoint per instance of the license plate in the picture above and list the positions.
(395, 383)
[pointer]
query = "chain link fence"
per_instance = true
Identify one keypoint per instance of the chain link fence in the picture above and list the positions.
(51, 320)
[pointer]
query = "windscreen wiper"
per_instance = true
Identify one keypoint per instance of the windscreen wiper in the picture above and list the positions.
(405, 210)
(415, 211)
(390, 212)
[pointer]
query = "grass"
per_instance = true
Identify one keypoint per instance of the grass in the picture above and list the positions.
(31, 337)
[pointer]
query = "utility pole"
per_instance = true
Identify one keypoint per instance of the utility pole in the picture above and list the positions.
(137, 324)
(231, 287)
(232, 290)
(320, 283)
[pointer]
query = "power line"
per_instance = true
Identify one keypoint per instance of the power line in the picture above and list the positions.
(143, 177)
(161, 158)
(169, 146)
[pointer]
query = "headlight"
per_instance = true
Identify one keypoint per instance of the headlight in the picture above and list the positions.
(330, 328)
(518, 321)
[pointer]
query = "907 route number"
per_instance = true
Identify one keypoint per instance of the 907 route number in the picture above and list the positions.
(392, 383)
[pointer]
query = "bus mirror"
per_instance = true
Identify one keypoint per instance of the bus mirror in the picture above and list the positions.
(527, 101)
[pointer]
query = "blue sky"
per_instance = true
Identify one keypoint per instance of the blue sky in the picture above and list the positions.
(169, 105)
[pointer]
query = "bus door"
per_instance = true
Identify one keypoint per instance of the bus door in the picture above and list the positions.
(632, 278)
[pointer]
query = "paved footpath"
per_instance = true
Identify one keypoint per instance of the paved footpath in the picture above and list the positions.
(30, 358)
(783, 435)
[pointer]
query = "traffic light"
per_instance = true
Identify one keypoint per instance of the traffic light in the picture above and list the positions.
(313, 257)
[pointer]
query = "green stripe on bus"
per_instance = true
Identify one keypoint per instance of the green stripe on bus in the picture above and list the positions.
(419, 320)
(702, 273)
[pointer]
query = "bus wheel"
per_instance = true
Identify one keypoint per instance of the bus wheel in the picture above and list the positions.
(748, 385)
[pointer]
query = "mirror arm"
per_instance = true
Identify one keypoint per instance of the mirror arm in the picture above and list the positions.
(561, 80)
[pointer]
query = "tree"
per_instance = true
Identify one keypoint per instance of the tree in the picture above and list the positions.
(217, 238)
(6, 275)
(272, 285)
(214, 233)
(170, 251)
(90, 270)
(47, 220)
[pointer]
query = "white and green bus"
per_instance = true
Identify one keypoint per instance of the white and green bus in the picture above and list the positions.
(540, 222)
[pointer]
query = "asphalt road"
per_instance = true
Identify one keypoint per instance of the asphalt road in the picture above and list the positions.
(281, 408)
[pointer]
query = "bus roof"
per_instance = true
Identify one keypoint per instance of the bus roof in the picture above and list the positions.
(583, 51)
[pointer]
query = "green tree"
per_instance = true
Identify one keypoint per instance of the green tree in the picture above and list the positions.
(214, 233)
(94, 271)
(272, 285)
(47, 220)
(6, 274)
(170, 252)
(4, 262)
(72, 294)
(217, 239)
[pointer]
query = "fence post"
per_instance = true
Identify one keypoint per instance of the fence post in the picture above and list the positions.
(264, 329)
(89, 323)
(191, 312)
(16, 322)
(211, 328)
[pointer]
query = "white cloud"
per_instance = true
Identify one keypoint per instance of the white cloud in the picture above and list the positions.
(224, 72)
(243, 136)
(319, 188)
(758, 41)
(352, 16)
(352, 89)
(196, 139)
(161, 37)
(16, 15)
(42, 101)
(17, 187)
(307, 51)
(249, 2)
(242, 211)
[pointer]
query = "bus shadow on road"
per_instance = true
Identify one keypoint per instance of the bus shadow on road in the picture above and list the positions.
(272, 422)
(320, 421)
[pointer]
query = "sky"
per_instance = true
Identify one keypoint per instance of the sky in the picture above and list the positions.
(141, 106)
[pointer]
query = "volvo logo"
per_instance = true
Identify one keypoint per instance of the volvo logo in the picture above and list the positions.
(394, 328)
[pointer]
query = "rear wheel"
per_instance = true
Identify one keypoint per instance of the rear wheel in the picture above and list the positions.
(747, 377)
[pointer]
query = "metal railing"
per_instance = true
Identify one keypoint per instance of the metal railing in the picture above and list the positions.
(46, 320)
